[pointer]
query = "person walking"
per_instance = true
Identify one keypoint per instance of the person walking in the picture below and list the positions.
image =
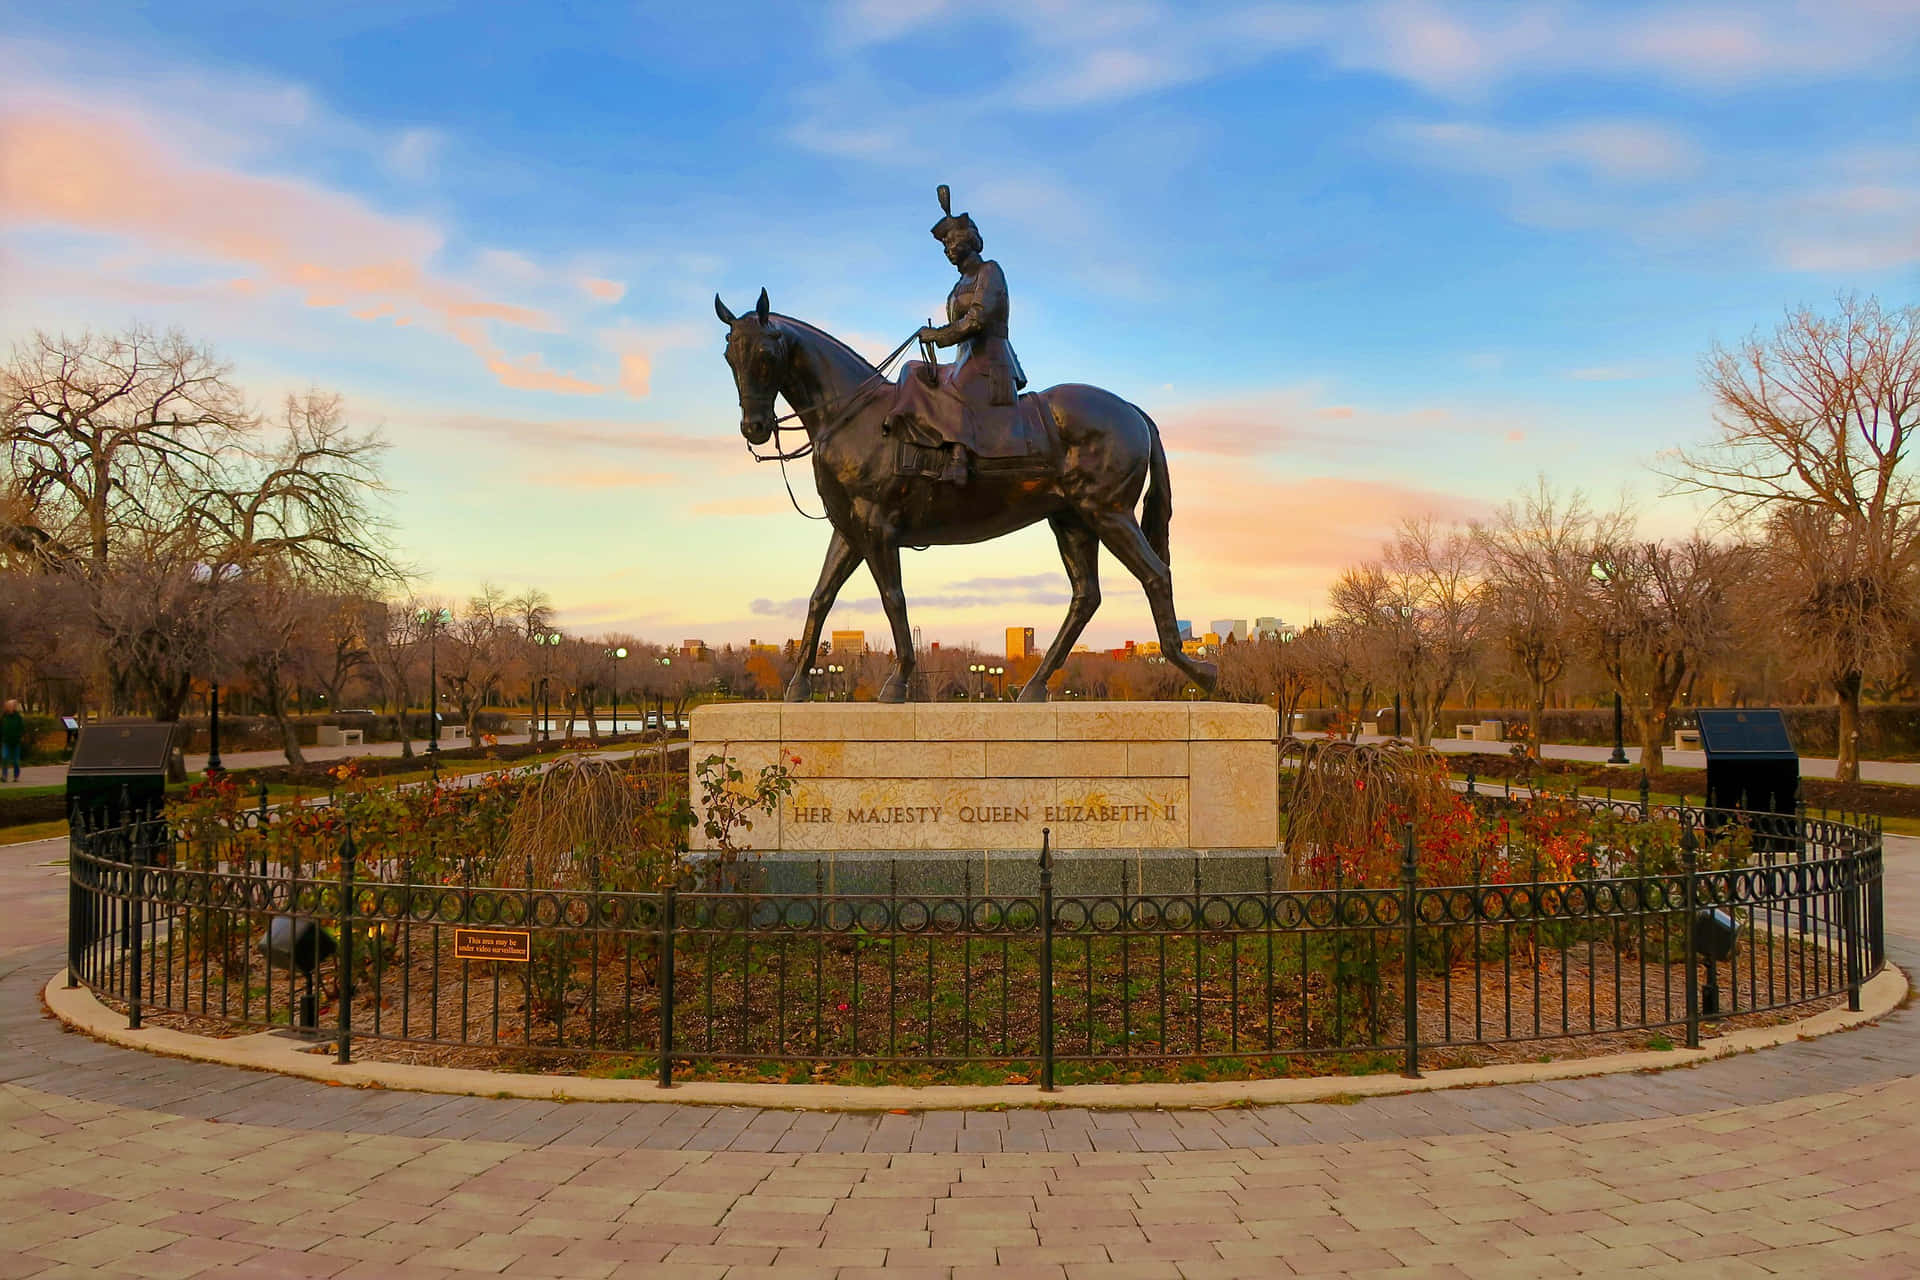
(13, 732)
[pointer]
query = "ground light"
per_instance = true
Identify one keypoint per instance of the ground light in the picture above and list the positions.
(302, 946)
(1713, 934)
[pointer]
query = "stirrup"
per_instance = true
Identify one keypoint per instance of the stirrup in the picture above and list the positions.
(956, 471)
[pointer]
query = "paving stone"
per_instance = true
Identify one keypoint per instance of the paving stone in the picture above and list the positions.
(1804, 1159)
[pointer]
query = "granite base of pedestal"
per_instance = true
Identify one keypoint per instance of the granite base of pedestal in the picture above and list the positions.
(939, 776)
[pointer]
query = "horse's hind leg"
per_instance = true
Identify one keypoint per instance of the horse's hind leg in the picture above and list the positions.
(1080, 553)
(1122, 536)
(884, 562)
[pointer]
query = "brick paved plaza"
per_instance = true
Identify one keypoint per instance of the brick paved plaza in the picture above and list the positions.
(1802, 1160)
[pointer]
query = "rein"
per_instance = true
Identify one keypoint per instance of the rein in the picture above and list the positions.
(844, 405)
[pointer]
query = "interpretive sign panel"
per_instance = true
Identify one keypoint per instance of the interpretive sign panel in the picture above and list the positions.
(511, 945)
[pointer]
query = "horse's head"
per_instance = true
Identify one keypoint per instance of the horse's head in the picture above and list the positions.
(757, 351)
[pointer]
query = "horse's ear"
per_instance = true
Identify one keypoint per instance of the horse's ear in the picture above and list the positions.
(760, 307)
(720, 309)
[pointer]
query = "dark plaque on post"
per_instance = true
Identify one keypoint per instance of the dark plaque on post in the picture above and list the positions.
(117, 768)
(953, 453)
(1751, 763)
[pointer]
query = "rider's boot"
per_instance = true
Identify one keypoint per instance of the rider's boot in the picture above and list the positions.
(956, 472)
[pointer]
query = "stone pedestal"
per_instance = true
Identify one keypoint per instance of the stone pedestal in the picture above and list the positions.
(944, 776)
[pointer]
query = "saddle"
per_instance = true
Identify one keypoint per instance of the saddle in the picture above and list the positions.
(929, 422)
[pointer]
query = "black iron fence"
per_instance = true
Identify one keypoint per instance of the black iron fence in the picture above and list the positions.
(1146, 961)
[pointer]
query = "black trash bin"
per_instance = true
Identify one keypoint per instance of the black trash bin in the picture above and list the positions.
(119, 771)
(1753, 768)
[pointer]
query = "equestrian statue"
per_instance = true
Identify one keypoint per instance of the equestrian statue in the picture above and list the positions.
(952, 454)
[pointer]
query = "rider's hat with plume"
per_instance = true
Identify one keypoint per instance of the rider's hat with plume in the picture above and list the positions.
(952, 221)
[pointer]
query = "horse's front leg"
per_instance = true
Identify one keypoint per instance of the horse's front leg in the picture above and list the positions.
(884, 561)
(841, 561)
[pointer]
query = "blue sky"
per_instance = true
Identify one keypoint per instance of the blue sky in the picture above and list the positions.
(1361, 261)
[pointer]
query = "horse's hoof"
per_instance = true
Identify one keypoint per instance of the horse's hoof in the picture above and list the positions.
(1204, 674)
(1034, 691)
(894, 690)
(800, 691)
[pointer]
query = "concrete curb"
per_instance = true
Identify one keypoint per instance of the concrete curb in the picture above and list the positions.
(276, 1051)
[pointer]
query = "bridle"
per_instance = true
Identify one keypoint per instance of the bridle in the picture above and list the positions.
(841, 405)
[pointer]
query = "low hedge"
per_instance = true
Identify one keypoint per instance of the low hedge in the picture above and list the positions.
(18, 808)
(1888, 731)
(1887, 799)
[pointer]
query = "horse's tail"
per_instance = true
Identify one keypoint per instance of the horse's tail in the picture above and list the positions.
(1158, 514)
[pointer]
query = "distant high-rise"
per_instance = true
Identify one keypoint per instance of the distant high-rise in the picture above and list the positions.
(1186, 628)
(1269, 627)
(1019, 642)
(847, 644)
(1225, 627)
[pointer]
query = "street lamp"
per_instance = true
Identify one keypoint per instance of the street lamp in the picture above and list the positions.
(213, 727)
(834, 672)
(999, 681)
(1603, 573)
(1402, 613)
(816, 673)
(979, 673)
(548, 642)
(666, 660)
(617, 653)
(433, 620)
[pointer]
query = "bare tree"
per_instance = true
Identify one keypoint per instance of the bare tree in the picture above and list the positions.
(1333, 656)
(1534, 557)
(1271, 666)
(137, 471)
(396, 639)
(108, 435)
(1418, 611)
(1816, 422)
(475, 651)
(1654, 614)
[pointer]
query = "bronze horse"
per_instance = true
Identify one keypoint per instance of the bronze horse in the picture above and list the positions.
(1107, 450)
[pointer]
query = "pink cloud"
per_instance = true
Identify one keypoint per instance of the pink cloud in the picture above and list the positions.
(527, 374)
(80, 168)
(636, 373)
(1236, 529)
(603, 290)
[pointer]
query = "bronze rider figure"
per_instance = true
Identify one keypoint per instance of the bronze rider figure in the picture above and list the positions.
(985, 375)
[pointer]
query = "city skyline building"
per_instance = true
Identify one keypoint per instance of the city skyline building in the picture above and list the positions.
(1019, 642)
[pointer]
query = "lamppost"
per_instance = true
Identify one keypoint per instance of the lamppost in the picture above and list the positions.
(979, 672)
(1603, 573)
(209, 576)
(1402, 613)
(548, 641)
(666, 660)
(617, 653)
(816, 673)
(999, 681)
(433, 619)
(834, 672)
(213, 727)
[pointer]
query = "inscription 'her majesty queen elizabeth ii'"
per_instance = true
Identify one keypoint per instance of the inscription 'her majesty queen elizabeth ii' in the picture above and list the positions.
(905, 814)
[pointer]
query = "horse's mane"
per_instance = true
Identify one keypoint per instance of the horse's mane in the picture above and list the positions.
(828, 340)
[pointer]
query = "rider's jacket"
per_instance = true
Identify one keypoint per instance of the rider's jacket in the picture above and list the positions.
(986, 371)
